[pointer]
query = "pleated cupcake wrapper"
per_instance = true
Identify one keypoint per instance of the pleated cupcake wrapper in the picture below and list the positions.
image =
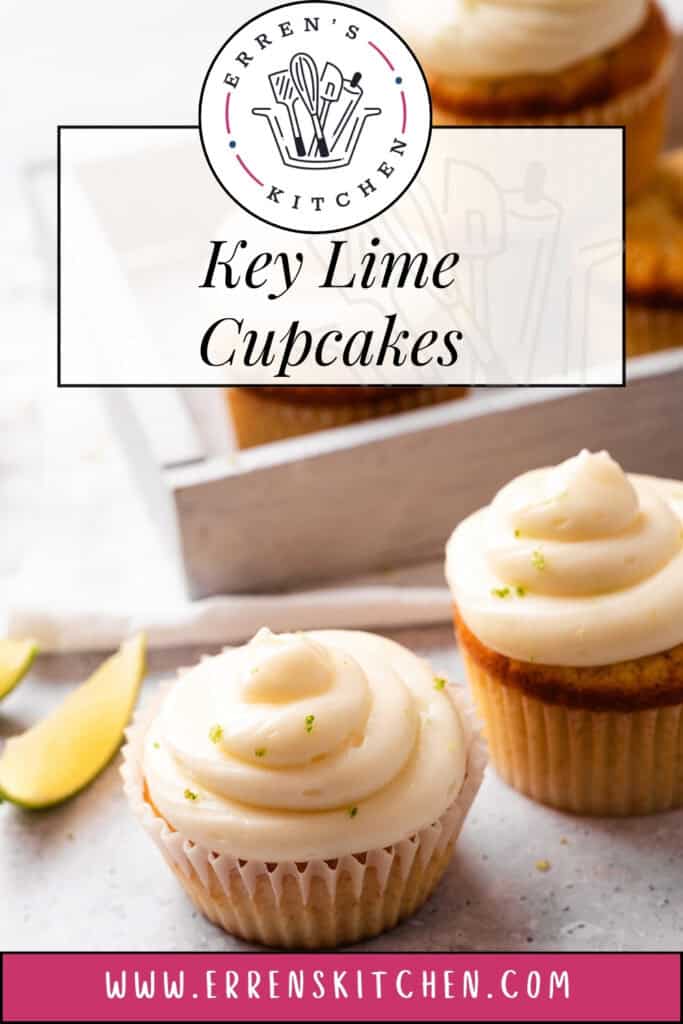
(575, 759)
(652, 329)
(259, 419)
(611, 112)
(281, 903)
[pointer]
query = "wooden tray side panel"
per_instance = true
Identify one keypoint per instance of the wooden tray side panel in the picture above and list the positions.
(392, 501)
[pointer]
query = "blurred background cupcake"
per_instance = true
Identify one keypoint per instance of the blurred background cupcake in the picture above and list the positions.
(654, 261)
(585, 62)
(263, 414)
(568, 602)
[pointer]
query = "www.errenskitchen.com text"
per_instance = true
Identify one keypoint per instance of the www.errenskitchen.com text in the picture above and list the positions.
(320, 983)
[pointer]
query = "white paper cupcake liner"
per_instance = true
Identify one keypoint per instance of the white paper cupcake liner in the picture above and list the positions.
(319, 903)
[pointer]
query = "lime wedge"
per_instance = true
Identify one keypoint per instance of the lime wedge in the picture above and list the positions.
(16, 658)
(64, 752)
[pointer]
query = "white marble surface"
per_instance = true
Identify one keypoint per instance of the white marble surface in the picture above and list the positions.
(84, 876)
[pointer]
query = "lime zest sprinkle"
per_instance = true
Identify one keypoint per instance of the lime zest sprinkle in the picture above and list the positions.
(216, 733)
(538, 560)
(520, 591)
(308, 722)
(353, 811)
(543, 865)
(439, 683)
(518, 533)
(156, 744)
(260, 752)
(190, 795)
(501, 591)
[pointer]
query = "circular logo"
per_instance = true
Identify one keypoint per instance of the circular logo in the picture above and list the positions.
(315, 116)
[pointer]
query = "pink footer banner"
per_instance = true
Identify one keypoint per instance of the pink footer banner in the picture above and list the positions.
(340, 986)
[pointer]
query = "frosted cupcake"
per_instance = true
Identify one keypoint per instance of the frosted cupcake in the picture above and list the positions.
(568, 597)
(263, 414)
(654, 261)
(586, 62)
(306, 789)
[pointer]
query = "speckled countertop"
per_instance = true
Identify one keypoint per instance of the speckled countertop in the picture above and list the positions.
(85, 877)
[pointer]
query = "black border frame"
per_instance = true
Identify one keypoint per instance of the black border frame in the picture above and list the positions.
(194, 127)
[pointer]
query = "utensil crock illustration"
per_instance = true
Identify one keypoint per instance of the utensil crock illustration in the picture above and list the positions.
(319, 121)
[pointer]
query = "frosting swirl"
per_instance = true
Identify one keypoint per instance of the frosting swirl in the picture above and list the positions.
(575, 565)
(483, 38)
(305, 745)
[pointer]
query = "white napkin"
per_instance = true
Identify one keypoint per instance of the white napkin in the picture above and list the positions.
(95, 570)
(228, 619)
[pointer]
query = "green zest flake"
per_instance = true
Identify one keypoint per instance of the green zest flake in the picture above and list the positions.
(155, 745)
(501, 591)
(538, 560)
(189, 795)
(309, 720)
(353, 811)
(216, 733)
(261, 752)
(439, 683)
(520, 591)
(518, 533)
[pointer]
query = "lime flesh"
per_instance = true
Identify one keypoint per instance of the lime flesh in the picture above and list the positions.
(16, 658)
(69, 748)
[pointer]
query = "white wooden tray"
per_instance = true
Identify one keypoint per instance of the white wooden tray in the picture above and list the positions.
(388, 492)
(379, 494)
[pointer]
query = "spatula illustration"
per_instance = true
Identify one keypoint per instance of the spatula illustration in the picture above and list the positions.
(304, 74)
(284, 92)
(331, 83)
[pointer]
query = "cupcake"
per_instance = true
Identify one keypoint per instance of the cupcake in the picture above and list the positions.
(263, 414)
(568, 601)
(654, 261)
(559, 62)
(305, 789)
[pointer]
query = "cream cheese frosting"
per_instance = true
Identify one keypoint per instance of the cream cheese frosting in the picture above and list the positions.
(575, 565)
(499, 38)
(303, 746)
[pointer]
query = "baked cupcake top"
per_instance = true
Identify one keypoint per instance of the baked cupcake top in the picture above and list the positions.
(654, 237)
(575, 565)
(498, 38)
(304, 746)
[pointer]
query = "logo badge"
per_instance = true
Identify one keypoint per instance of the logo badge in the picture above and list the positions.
(315, 116)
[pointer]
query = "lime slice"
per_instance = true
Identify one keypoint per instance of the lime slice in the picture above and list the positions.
(64, 752)
(16, 657)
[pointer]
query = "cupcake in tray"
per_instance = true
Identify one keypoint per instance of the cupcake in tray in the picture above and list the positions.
(568, 599)
(561, 62)
(654, 261)
(263, 414)
(305, 789)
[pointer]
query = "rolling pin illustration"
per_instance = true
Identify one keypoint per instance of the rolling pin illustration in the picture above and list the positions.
(348, 101)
